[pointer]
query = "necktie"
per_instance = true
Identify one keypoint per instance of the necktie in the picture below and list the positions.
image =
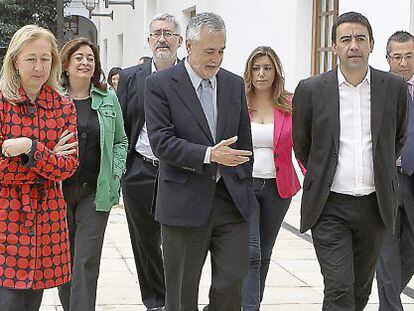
(410, 89)
(206, 99)
(407, 153)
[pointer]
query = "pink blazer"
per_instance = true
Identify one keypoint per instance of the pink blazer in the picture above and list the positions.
(286, 178)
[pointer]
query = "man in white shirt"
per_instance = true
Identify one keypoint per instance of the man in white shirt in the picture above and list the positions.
(138, 182)
(396, 264)
(349, 126)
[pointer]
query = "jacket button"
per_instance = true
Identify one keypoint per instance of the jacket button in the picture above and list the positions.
(31, 232)
(37, 155)
(84, 184)
(84, 135)
(213, 178)
(32, 110)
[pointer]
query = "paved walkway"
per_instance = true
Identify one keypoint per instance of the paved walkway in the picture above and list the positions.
(294, 281)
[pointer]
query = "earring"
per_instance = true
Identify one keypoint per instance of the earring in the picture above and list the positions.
(17, 70)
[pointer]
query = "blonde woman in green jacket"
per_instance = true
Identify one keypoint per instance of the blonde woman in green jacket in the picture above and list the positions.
(94, 188)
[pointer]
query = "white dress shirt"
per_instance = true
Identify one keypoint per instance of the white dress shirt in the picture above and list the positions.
(355, 171)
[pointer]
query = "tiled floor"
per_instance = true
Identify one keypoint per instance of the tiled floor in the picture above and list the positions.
(294, 282)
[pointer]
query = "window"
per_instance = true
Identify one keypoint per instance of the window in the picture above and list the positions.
(325, 13)
(120, 45)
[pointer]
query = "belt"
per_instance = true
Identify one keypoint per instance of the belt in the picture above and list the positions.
(152, 161)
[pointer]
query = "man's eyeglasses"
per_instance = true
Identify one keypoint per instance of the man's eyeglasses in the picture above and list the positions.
(166, 33)
(398, 58)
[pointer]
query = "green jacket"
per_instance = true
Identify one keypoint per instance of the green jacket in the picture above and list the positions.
(114, 144)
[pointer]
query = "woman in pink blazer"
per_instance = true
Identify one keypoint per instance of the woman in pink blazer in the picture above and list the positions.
(274, 177)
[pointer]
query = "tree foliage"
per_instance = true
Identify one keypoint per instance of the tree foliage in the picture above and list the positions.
(17, 13)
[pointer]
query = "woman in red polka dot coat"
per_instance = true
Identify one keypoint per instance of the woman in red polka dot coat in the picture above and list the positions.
(34, 116)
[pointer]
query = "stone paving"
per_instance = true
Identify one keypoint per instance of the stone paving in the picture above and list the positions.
(294, 282)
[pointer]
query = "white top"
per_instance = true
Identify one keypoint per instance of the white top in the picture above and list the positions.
(355, 172)
(262, 137)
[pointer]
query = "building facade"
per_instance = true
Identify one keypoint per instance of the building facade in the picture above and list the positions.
(298, 30)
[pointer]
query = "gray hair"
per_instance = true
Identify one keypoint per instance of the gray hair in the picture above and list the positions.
(399, 36)
(212, 21)
(166, 17)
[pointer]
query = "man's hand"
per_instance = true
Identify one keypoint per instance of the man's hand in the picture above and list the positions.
(62, 148)
(16, 146)
(223, 154)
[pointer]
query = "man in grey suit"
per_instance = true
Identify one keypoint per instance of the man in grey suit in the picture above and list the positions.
(138, 181)
(199, 129)
(349, 126)
(396, 264)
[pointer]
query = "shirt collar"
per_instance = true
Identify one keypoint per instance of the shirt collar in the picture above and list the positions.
(342, 79)
(195, 78)
(154, 68)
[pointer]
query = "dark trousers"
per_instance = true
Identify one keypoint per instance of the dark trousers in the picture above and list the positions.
(138, 190)
(265, 222)
(20, 299)
(348, 238)
(396, 264)
(86, 233)
(226, 236)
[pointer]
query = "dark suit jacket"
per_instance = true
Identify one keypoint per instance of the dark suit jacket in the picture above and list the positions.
(130, 94)
(316, 139)
(179, 136)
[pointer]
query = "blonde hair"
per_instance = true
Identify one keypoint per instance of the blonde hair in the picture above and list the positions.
(279, 94)
(10, 81)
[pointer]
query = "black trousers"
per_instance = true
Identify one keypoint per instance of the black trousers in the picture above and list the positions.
(348, 238)
(20, 299)
(396, 265)
(86, 233)
(226, 236)
(138, 189)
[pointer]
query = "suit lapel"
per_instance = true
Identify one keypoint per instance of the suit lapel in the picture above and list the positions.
(187, 94)
(279, 120)
(378, 98)
(140, 84)
(330, 97)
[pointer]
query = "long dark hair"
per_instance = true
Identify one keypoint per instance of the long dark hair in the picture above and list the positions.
(279, 94)
(70, 47)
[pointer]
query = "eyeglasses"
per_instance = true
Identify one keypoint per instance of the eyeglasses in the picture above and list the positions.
(166, 33)
(398, 58)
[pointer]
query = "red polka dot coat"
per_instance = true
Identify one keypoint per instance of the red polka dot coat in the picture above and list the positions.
(34, 245)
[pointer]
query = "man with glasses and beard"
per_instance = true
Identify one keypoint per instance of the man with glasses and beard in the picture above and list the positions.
(142, 166)
(396, 263)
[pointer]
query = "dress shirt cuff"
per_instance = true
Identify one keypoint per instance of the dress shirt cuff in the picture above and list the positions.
(207, 155)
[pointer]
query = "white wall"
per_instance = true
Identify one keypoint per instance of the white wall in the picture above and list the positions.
(284, 25)
(383, 23)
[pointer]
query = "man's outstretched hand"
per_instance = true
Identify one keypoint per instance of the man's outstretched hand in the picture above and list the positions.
(223, 154)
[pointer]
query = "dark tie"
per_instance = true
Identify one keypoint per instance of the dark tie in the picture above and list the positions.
(206, 99)
(407, 154)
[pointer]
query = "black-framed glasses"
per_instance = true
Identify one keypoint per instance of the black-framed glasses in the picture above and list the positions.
(398, 58)
(166, 33)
